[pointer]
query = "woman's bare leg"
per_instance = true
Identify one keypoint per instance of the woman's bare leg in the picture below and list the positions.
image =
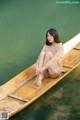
(46, 73)
(38, 80)
(39, 64)
(40, 60)
(48, 56)
(43, 59)
(53, 70)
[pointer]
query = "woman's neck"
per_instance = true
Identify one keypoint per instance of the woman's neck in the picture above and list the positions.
(54, 43)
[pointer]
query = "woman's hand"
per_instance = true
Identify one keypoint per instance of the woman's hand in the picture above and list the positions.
(40, 70)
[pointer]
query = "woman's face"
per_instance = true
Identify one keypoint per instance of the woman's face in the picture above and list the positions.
(50, 38)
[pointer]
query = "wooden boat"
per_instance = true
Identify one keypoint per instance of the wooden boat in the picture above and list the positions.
(20, 91)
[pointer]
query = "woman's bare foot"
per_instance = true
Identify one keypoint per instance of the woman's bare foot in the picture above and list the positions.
(35, 81)
(38, 80)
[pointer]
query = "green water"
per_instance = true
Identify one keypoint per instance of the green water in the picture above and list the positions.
(23, 24)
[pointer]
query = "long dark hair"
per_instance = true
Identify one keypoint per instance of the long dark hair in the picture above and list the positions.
(55, 35)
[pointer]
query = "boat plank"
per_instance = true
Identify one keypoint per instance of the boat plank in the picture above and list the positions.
(18, 98)
(71, 57)
(13, 105)
(45, 87)
(17, 81)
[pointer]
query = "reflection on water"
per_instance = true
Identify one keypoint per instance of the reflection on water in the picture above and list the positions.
(68, 107)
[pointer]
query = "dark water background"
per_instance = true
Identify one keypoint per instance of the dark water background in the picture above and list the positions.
(23, 24)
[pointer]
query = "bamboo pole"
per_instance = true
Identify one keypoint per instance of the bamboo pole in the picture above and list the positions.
(18, 98)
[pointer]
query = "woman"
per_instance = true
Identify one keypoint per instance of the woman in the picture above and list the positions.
(49, 63)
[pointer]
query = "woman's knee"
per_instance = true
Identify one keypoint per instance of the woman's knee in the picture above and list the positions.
(42, 54)
(48, 54)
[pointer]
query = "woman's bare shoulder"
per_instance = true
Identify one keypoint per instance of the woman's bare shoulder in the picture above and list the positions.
(60, 44)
